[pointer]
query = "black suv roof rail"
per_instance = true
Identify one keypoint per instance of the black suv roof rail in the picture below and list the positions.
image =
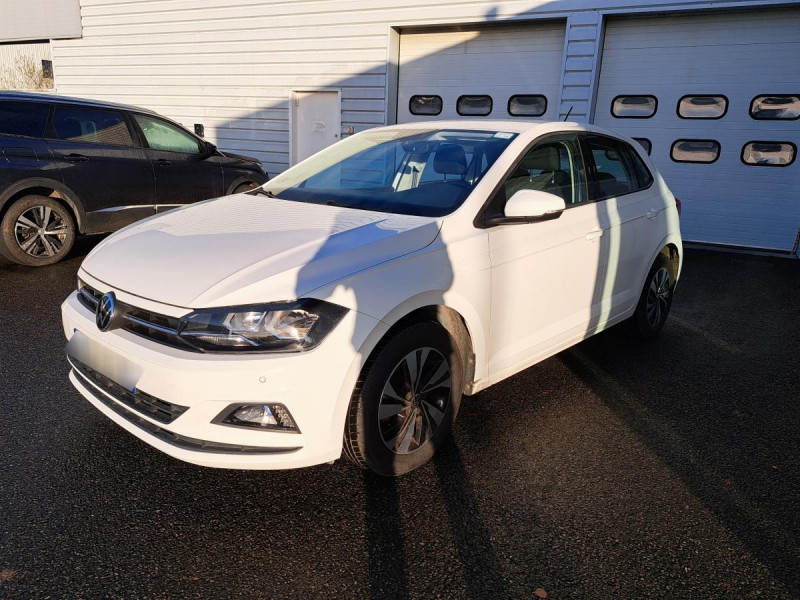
(46, 97)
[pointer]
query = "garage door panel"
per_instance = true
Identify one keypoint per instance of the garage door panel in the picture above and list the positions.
(739, 56)
(500, 61)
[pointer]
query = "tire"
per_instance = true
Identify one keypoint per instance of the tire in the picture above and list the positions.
(244, 187)
(390, 429)
(24, 236)
(655, 300)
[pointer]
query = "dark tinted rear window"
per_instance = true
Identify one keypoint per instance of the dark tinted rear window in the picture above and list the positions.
(618, 169)
(91, 126)
(27, 119)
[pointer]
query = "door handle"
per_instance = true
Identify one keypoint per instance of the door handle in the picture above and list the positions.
(594, 234)
(163, 162)
(76, 158)
(651, 214)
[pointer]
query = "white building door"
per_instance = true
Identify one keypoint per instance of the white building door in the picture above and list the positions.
(500, 72)
(701, 78)
(316, 121)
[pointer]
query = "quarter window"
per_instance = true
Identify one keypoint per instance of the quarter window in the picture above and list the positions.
(161, 135)
(769, 154)
(634, 107)
(617, 170)
(91, 126)
(695, 151)
(645, 143)
(26, 119)
(702, 107)
(552, 166)
(775, 107)
(533, 105)
(474, 106)
(425, 105)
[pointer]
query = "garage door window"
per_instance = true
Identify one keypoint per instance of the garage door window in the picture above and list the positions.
(425, 105)
(695, 151)
(645, 143)
(775, 107)
(702, 107)
(91, 126)
(634, 107)
(534, 105)
(474, 106)
(769, 154)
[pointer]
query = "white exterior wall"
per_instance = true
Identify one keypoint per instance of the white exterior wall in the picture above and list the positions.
(27, 20)
(230, 65)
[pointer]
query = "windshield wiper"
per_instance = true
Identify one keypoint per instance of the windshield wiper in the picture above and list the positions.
(261, 192)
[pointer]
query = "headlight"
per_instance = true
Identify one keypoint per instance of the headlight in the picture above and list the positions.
(276, 327)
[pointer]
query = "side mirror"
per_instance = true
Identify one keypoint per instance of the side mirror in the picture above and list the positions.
(534, 205)
(211, 149)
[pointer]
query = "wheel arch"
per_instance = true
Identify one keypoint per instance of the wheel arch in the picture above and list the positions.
(460, 322)
(45, 187)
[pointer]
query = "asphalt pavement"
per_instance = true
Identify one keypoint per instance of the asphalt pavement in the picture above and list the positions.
(669, 469)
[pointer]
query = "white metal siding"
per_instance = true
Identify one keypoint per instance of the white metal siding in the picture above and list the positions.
(499, 61)
(39, 19)
(230, 64)
(739, 55)
(21, 66)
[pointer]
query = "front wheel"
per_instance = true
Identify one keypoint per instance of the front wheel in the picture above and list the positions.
(36, 231)
(656, 299)
(405, 402)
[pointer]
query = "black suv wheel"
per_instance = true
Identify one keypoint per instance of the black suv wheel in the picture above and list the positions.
(36, 231)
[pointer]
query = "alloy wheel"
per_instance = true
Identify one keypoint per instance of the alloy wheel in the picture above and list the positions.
(414, 400)
(658, 297)
(41, 231)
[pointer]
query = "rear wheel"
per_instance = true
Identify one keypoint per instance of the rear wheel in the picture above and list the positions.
(656, 299)
(36, 231)
(406, 401)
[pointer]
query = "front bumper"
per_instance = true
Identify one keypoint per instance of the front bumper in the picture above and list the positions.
(168, 397)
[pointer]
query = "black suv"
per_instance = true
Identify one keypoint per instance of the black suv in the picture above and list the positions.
(70, 166)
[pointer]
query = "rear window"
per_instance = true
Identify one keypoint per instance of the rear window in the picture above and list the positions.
(618, 170)
(91, 126)
(26, 119)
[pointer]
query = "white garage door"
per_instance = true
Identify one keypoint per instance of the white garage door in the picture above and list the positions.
(492, 71)
(723, 63)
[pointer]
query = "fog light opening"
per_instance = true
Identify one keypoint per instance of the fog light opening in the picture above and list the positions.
(273, 417)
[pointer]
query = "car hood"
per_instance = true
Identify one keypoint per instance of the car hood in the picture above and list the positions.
(245, 249)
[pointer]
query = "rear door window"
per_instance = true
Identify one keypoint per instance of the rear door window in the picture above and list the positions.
(91, 126)
(25, 119)
(616, 168)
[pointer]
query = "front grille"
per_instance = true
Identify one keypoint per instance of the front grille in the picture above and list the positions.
(164, 412)
(144, 323)
(170, 437)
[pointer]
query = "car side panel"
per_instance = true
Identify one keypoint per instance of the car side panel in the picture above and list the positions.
(25, 158)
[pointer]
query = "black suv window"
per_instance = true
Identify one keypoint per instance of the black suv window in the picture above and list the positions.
(91, 126)
(27, 119)
(617, 168)
(161, 135)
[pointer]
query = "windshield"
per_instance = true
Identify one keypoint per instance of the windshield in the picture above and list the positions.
(420, 172)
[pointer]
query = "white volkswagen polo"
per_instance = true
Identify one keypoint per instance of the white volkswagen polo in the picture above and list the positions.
(350, 303)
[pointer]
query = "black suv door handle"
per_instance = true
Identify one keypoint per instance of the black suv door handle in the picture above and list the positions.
(76, 158)
(163, 162)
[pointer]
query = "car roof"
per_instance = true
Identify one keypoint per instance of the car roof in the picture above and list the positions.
(507, 125)
(47, 97)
